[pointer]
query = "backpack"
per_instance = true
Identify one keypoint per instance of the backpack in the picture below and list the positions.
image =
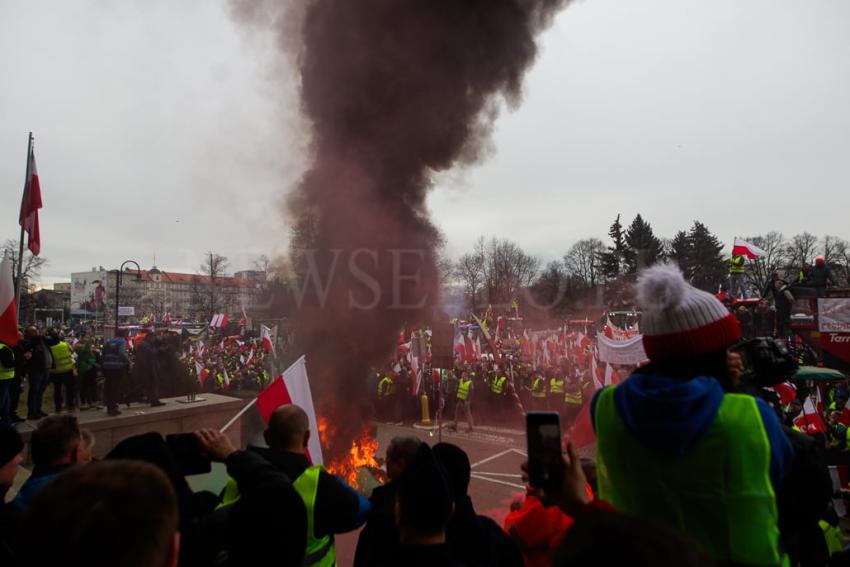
(112, 359)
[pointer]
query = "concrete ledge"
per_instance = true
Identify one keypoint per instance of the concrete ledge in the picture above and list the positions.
(173, 417)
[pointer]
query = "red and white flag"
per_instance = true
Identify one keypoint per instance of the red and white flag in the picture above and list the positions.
(267, 340)
(30, 204)
(748, 249)
(809, 420)
(786, 391)
(293, 387)
(596, 374)
(8, 310)
(226, 379)
(201, 373)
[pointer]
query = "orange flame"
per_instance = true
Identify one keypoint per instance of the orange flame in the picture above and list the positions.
(361, 454)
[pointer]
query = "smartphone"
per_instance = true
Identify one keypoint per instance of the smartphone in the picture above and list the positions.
(187, 453)
(545, 448)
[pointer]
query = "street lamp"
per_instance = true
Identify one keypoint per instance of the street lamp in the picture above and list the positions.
(118, 286)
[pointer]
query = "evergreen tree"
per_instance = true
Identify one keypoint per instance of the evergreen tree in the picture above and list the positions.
(612, 260)
(707, 267)
(643, 248)
(680, 252)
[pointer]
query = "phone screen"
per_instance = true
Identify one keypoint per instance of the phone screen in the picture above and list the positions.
(187, 453)
(545, 447)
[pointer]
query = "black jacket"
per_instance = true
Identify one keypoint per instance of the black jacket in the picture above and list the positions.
(338, 509)
(805, 497)
(269, 520)
(422, 555)
(477, 540)
(378, 541)
(37, 347)
(820, 276)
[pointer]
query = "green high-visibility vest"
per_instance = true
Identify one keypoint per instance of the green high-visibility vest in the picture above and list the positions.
(720, 494)
(498, 385)
(463, 387)
(538, 388)
(556, 386)
(386, 387)
(321, 552)
(573, 395)
(62, 359)
(6, 373)
(736, 265)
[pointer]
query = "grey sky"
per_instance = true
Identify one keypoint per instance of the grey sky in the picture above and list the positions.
(149, 112)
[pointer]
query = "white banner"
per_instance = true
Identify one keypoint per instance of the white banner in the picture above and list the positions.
(621, 352)
(126, 311)
(834, 315)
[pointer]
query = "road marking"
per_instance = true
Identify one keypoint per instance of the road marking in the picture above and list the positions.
(510, 475)
(497, 455)
(492, 458)
(497, 481)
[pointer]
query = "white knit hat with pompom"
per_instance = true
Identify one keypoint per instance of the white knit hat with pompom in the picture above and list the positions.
(679, 320)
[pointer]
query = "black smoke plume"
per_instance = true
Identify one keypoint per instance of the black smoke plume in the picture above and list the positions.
(394, 91)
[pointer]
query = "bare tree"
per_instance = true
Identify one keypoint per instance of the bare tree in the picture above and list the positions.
(263, 264)
(801, 250)
(469, 269)
(32, 264)
(582, 260)
(507, 269)
(214, 267)
(774, 261)
(836, 254)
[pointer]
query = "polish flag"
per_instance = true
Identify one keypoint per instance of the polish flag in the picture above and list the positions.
(267, 339)
(8, 311)
(596, 374)
(809, 421)
(201, 373)
(291, 387)
(30, 204)
(786, 392)
(226, 379)
(744, 248)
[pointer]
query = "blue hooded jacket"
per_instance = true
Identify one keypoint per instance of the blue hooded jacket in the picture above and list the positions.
(671, 415)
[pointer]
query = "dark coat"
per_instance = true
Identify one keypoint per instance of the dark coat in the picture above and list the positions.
(378, 541)
(804, 497)
(477, 540)
(422, 555)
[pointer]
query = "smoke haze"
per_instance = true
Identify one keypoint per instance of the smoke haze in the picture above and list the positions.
(393, 92)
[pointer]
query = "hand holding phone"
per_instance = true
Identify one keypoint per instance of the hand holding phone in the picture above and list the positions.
(545, 459)
(188, 454)
(564, 483)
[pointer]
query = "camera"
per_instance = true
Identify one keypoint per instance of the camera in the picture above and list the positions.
(767, 361)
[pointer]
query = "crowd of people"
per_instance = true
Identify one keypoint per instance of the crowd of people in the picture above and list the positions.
(86, 372)
(697, 463)
(228, 363)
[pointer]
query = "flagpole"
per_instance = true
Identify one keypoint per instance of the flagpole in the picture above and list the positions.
(238, 415)
(254, 401)
(21, 241)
